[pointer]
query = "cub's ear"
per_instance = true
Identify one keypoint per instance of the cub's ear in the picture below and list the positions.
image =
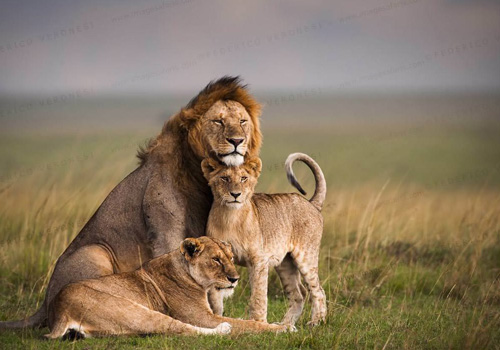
(191, 247)
(254, 165)
(208, 166)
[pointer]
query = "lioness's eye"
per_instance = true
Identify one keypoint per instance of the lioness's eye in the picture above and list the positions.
(243, 121)
(224, 178)
(244, 179)
(218, 122)
(217, 260)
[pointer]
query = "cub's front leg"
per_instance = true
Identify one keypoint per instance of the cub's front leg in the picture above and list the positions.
(258, 274)
(216, 301)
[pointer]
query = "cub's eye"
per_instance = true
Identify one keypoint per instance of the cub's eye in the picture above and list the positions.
(243, 121)
(244, 179)
(224, 178)
(217, 260)
(218, 121)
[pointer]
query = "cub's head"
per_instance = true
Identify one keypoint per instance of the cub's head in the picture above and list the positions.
(210, 262)
(232, 186)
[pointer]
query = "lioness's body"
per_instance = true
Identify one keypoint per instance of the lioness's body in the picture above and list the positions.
(166, 295)
(164, 200)
(269, 230)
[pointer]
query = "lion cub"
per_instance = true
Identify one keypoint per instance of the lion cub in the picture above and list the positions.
(269, 230)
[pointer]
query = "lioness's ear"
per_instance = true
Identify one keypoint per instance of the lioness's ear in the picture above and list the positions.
(208, 165)
(254, 165)
(227, 244)
(191, 247)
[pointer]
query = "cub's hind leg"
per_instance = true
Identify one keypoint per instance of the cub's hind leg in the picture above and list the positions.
(307, 262)
(290, 279)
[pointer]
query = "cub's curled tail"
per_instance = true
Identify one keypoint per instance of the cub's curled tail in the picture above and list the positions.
(320, 191)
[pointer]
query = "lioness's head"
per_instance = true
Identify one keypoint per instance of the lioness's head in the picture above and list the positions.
(223, 121)
(232, 186)
(210, 262)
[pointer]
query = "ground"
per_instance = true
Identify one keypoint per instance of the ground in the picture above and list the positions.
(410, 254)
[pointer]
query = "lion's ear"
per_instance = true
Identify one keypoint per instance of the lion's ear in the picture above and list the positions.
(208, 166)
(191, 247)
(254, 165)
(188, 117)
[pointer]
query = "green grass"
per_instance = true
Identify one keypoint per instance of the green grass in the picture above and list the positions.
(410, 255)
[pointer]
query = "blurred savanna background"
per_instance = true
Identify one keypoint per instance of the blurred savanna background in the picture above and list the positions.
(399, 103)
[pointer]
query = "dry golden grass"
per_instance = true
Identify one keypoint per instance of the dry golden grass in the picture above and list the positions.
(405, 263)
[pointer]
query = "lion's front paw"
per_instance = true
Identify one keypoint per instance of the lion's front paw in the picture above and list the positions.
(223, 328)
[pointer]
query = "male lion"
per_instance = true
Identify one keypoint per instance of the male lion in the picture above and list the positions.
(166, 295)
(164, 200)
(281, 230)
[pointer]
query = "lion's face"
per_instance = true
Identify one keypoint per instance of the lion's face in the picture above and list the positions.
(232, 186)
(227, 130)
(210, 262)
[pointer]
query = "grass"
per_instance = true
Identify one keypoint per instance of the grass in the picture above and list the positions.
(410, 255)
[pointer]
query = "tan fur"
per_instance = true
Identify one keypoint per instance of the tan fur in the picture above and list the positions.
(225, 100)
(166, 295)
(165, 199)
(278, 230)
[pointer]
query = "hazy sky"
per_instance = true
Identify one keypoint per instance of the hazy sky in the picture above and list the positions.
(178, 46)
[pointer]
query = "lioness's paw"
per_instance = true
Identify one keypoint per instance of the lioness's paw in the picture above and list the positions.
(285, 327)
(223, 328)
(291, 328)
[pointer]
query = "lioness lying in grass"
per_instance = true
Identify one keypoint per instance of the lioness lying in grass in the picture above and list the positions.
(280, 230)
(166, 295)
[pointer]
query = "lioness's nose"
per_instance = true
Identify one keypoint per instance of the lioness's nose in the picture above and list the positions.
(235, 142)
(233, 279)
(235, 195)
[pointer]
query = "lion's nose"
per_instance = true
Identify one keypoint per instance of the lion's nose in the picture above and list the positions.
(235, 195)
(232, 279)
(235, 142)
